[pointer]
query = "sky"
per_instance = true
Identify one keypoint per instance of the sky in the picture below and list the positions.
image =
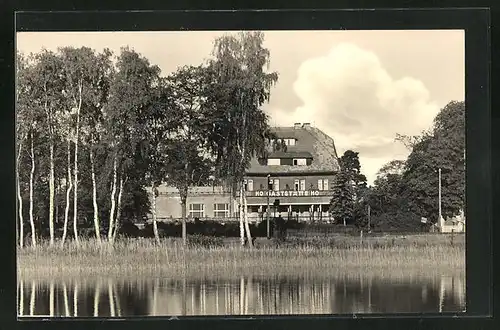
(359, 87)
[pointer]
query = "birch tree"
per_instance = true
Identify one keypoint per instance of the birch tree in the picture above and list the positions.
(47, 85)
(242, 86)
(21, 133)
(97, 97)
(28, 119)
(158, 126)
(130, 93)
(75, 64)
(82, 74)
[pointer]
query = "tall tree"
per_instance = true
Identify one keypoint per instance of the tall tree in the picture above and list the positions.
(350, 190)
(48, 84)
(78, 67)
(99, 81)
(158, 125)
(241, 86)
(342, 203)
(33, 123)
(130, 93)
(443, 149)
(22, 103)
(189, 162)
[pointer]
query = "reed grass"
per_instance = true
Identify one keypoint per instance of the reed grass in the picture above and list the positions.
(146, 258)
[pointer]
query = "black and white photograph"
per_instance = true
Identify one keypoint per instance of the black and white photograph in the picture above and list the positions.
(232, 173)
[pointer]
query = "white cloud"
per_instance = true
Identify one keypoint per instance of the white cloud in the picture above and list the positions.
(350, 96)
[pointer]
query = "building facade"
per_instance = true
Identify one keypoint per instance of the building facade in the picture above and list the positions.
(293, 181)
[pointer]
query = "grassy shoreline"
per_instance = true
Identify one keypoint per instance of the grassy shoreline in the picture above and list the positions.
(403, 256)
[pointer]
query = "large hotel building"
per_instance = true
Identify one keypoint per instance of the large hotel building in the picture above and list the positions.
(300, 178)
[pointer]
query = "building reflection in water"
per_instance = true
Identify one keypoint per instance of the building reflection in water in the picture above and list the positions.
(240, 296)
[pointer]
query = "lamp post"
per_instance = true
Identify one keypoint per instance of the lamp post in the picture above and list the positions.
(267, 209)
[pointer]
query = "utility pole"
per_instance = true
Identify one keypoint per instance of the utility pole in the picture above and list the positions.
(267, 209)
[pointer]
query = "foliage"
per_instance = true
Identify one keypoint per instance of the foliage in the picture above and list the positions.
(408, 190)
(342, 203)
(201, 241)
(240, 86)
(188, 163)
(445, 150)
(349, 190)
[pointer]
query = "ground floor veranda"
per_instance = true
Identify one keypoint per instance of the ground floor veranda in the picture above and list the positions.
(299, 212)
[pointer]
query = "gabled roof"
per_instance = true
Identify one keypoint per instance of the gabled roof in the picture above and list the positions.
(310, 141)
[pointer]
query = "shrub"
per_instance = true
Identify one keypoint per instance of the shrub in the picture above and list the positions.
(201, 241)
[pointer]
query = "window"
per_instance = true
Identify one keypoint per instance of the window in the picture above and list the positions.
(320, 184)
(273, 161)
(325, 184)
(197, 210)
(302, 184)
(289, 142)
(221, 210)
(297, 185)
(276, 185)
(248, 184)
(299, 161)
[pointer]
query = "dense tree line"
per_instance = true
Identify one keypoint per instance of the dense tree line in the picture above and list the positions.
(407, 190)
(98, 132)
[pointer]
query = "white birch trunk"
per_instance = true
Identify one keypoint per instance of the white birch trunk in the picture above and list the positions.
(32, 173)
(75, 192)
(66, 301)
(51, 194)
(184, 215)
(113, 203)
(111, 300)
(240, 214)
(19, 196)
(21, 299)
(51, 169)
(97, 295)
(51, 299)
(94, 198)
(118, 208)
(245, 216)
(75, 300)
(32, 298)
(69, 186)
(155, 225)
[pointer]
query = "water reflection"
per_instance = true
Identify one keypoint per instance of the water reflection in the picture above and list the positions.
(241, 296)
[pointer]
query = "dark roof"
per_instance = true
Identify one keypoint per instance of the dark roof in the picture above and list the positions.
(311, 141)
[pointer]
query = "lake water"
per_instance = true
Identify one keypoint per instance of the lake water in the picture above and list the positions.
(240, 296)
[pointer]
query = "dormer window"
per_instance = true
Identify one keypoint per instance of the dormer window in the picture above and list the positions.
(299, 161)
(289, 141)
(273, 161)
